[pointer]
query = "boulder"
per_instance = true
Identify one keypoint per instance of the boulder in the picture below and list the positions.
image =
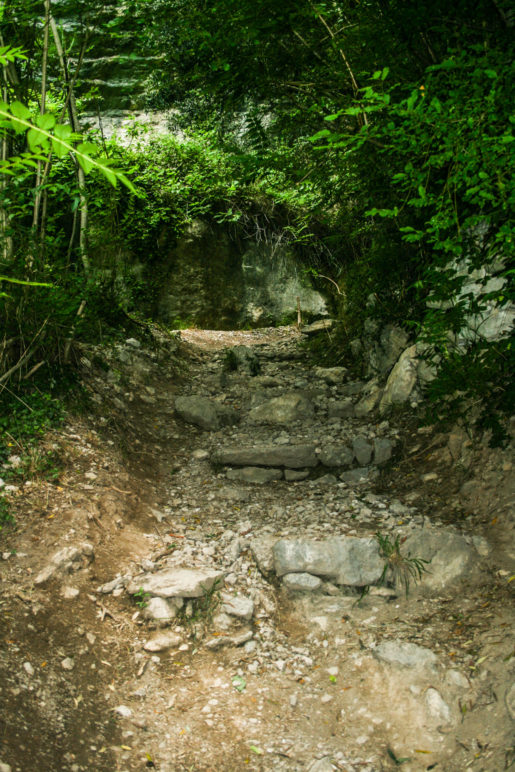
(383, 448)
(386, 351)
(205, 413)
(336, 455)
(450, 556)
(401, 381)
(344, 560)
(291, 456)
(287, 408)
(176, 582)
(362, 451)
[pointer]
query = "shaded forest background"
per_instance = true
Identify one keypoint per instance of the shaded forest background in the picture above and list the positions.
(376, 138)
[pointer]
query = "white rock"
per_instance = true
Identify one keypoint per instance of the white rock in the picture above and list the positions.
(68, 664)
(123, 711)
(238, 606)
(177, 582)
(436, 707)
(162, 642)
(28, 668)
(302, 582)
(404, 654)
(69, 593)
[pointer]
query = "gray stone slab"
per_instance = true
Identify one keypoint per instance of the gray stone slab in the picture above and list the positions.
(345, 560)
(176, 582)
(362, 451)
(254, 474)
(291, 456)
(405, 654)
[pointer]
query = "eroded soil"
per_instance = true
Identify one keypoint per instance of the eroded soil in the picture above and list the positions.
(78, 689)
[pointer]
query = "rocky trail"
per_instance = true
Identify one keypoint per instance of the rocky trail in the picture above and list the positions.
(243, 565)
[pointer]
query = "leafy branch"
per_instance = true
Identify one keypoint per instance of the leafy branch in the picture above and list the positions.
(46, 134)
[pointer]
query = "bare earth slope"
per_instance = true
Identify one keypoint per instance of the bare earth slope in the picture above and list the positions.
(148, 621)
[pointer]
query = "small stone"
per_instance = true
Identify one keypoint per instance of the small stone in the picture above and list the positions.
(238, 606)
(123, 711)
(133, 343)
(28, 668)
(162, 642)
(68, 664)
(510, 700)
(437, 708)
(294, 475)
(326, 698)
(200, 454)
(69, 593)
(429, 477)
(5, 767)
(455, 678)
(302, 582)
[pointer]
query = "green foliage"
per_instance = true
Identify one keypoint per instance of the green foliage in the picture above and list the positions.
(141, 598)
(399, 569)
(6, 518)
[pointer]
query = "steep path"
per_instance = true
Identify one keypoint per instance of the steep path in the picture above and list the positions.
(204, 588)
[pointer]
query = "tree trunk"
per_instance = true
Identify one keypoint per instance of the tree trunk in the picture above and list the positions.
(81, 177)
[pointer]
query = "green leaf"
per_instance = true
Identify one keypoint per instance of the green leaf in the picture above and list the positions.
(20, 111)
(37, 139)
(256, 750)
(45, 121)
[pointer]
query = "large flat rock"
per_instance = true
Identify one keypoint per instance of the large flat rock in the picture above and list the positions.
(290, 456)
(176, 582)
(345, 560)
(449, 554)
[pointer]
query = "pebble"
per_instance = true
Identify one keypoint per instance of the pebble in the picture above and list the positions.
(68, 664)
(28, 668)
(123, 711)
